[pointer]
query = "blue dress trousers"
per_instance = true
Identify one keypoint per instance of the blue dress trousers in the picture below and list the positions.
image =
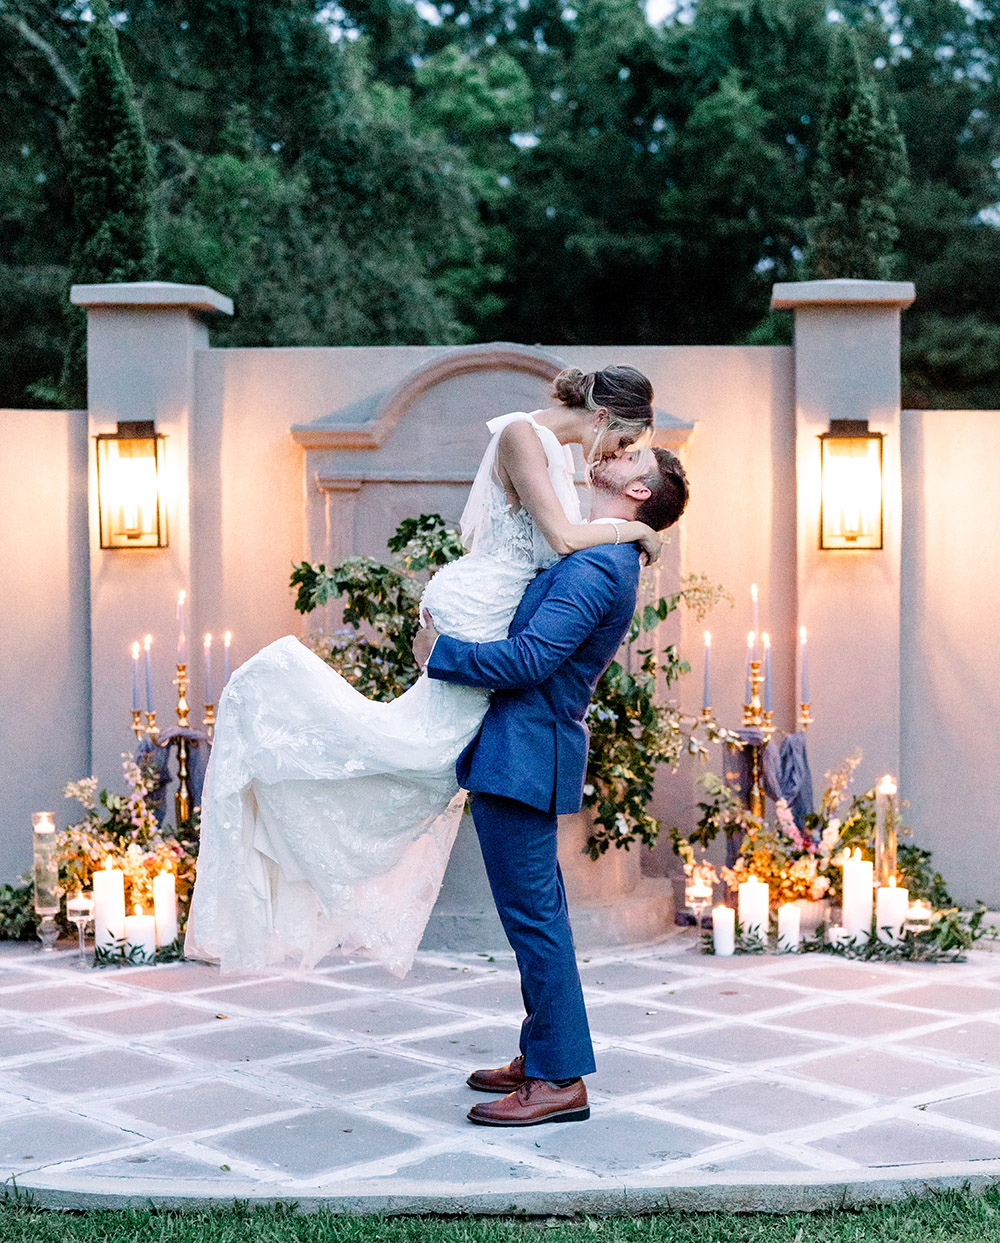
(527, 765)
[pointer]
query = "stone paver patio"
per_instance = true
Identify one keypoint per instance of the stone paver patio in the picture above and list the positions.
(776, 1082)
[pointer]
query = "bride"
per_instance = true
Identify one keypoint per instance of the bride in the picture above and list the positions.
(327, 818)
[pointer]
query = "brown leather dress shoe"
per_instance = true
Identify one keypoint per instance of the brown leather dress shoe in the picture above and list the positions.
(503, 1079)
(534, 1102)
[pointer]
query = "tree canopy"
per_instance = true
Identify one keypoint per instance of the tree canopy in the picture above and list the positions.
(380, 172)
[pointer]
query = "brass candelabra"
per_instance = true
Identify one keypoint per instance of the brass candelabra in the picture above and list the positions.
(754, 717)
(182, 799)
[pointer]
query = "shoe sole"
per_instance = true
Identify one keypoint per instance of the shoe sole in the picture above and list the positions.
(481, 1087)
(567, 1115)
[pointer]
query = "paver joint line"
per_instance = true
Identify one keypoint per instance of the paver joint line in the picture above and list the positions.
(772, 1083)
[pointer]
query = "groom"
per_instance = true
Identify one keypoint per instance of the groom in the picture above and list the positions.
(527, 765)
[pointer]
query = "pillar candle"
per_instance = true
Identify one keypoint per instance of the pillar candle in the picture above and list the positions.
(805, 664)
(208, 669)
(135, 676)
(789, 926)
(227, 638)
(165, 908)
(766, 640)
(856, 916)
(147, 644)
(706, 698)
(140, 937)
(753, 902)
(892, 903)
(109, 907)
(724, 931)
(181, 634)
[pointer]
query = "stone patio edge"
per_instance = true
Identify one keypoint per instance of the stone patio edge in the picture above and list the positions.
(739, 1193)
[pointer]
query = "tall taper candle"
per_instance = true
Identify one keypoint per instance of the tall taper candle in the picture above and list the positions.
(751, 642)
(766, 640)
(227, 638)
(208, 670)
(147, 644)
(135, 676)
(706, 698)
(182, 642)
(805, 664)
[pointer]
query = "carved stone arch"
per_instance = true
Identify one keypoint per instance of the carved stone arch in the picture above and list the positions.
(497, 356)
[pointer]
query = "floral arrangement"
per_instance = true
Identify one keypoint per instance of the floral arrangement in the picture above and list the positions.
(633, 728)
(119, 826)
(805, 865)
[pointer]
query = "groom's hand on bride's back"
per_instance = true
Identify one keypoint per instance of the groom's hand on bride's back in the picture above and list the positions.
(424, 640)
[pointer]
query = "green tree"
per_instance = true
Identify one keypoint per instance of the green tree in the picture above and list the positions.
(860, 168)
(109, 169)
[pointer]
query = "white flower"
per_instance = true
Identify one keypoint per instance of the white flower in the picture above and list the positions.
(588, 790)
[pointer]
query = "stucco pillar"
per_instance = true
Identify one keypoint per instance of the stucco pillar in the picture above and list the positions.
(847, 367)
(141, 343)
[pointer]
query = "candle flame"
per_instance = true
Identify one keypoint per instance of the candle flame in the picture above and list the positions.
(148, 642)
(753, 592)
(227, 638)
(135, 650)
(892, 882)
(765, 638)
(750, 639)
(137, 909)
(802, 634)
(181, 597)
(887, 785)
(208, 640)
(857, 853)
(708, 638)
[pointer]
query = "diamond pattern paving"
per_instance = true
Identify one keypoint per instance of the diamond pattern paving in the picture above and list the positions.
(177, 1080)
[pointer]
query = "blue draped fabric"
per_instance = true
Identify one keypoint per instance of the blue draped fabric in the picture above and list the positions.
(785, 771)
(156, 759)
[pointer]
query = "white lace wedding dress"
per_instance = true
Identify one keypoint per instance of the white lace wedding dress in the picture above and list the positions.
(327, 818)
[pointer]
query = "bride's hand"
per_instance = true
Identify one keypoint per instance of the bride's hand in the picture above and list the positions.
(424, 639)
(648, 540)
(651, 545)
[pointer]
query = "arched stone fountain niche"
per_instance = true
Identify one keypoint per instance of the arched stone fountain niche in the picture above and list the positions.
(412, 446)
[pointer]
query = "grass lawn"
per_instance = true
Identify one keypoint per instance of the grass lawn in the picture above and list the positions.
(949, 1218)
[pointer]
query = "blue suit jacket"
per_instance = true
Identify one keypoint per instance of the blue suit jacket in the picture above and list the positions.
(532, 744)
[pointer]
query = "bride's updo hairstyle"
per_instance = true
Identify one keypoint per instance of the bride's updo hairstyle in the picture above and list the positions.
(625, 393)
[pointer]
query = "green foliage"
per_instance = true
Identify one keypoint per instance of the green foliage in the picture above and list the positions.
(17, 912)
(860, 167)
(380, 606)
(109, 169)
(635, 728)
(506, 169)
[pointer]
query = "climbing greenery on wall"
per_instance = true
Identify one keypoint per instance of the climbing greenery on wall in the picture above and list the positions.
(634, 728)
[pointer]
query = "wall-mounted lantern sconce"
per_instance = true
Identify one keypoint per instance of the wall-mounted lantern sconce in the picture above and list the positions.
(132, 511)
(851, 505)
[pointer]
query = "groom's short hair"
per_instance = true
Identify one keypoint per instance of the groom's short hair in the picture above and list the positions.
(668, 488)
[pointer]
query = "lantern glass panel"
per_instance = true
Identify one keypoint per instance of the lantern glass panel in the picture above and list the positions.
(852, 492)
(128, 478)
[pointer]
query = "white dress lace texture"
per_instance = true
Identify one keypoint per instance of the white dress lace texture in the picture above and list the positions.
(327, 819)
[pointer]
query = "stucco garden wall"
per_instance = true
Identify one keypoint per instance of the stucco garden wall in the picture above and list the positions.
(279, 454)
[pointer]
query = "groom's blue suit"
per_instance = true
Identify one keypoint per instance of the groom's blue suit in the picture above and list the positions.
(527, 765)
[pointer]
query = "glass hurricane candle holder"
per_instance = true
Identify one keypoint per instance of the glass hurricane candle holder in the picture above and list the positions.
(46, 877)
(81, 910)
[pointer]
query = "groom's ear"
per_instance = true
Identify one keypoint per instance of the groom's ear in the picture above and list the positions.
(638, 490)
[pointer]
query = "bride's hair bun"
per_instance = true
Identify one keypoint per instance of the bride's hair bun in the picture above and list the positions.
(573, 388)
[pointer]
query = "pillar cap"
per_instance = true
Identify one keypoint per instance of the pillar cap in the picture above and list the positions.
(151, 294)
(796, 294)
